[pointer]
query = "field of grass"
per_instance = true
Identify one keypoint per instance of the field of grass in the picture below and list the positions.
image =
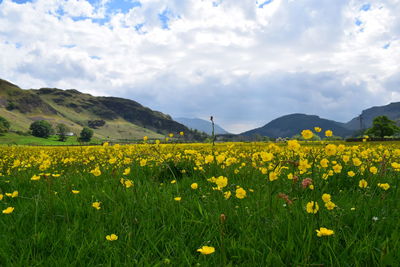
(252, 204)
(17, 139)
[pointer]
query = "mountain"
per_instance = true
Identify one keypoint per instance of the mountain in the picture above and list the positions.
(112, 117)
(290, 125)
(392, 111)
(201, 125)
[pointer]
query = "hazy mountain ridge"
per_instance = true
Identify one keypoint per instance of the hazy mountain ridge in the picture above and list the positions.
(201, 125)
(392, 111)
(292, 124)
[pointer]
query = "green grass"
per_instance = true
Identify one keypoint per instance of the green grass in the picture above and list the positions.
(16, 139)
(51, 226)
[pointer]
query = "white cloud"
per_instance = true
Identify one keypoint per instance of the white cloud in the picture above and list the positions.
(243, 64)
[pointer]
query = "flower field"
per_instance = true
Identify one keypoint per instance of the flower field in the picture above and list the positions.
(232, 204)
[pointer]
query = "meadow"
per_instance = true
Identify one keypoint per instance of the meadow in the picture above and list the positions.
(228, 204)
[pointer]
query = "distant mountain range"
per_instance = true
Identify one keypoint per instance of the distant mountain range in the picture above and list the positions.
(290, 125)
(123, 118)
(201, 125)
(119, 118)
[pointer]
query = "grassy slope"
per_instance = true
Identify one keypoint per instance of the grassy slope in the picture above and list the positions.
(41, 108)
(15, 139)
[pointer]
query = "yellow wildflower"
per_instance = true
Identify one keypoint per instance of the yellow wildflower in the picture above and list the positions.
(75, 191)
(385, 186)
(240, 193)
(324, 232)
(194, 186)
(307, 134)
(312, 207)
(96, 205)
(205, 250)
(326, 198)
(111, 237)
(8, 210)
(177, 198)
(328, 133)
(363, 183)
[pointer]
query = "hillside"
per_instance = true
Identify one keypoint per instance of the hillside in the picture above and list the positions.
(124, 118)
(392, 111)
(290, 125)
(201, 125)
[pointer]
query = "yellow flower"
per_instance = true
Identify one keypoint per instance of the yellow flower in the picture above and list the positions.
(145, 138)
(171, 135)
(96, 171)
(177, 198)
(328, 133)
(96, 205)
(13, 194)
(373, 170)
(317, 129)
(221, 182)
(351, 174)
(112, 160)
(127, 171)
(290, 176)
(312, 207)
(209, 159)
(330, 150)
(326, 198)
(1, 196)
(143, 162)
(363, 183)
(293, 144)
(337, 168)
(205, 250)
(324, 232)
(8, 210)
(173, 182)
(307, 134)
(273, 176)
(227, 194)
(324, 163)
(194, 186)
(330, 205)
(35, 177)
(111, 237)
(385, 186)
(240, 193)
(356, 162)
(128, 183)
(181, 133)
(75, 191)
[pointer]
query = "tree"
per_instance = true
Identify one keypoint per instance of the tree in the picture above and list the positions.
(4, 125)
(41, 128)
(86, 134)
(62, 130)
(382, 126)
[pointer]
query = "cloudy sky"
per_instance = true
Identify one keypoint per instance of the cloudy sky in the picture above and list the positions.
(245, 62)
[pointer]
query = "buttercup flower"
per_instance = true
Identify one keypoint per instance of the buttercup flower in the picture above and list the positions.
(324, 232)
(205, 250)
(111, 237)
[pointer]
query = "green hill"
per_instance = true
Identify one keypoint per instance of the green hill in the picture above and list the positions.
(122, 118)
(290, 125)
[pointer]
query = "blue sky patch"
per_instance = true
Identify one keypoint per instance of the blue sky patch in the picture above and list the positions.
(164, 18)
(265, 3)
(19, 1)
(386, 46)
(358, 22)
(366, 7)
(123, 6)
